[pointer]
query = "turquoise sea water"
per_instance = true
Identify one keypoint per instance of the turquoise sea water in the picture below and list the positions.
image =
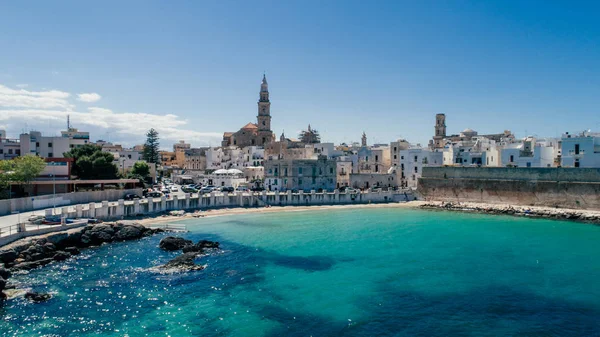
(347, 272)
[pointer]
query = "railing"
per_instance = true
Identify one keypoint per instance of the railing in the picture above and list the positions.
(170, 227)
(9, 230)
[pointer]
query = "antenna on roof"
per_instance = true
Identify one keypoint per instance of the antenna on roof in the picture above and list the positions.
(68, 122)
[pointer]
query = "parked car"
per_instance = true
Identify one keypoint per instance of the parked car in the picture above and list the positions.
(187, 189)
(207, 189)
(350, 190)
(36, 219)
(227, 189)
(131, 196)
(155, 194)
(242, 188)
(174, 188)
(257, 189)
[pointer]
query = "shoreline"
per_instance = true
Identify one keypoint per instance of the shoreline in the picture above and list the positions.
(538, 212)
(272, 209)
(567, 214)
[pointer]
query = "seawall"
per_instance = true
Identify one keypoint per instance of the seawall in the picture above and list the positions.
(576, 188)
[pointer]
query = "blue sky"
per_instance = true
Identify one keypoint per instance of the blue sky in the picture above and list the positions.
(385, 67)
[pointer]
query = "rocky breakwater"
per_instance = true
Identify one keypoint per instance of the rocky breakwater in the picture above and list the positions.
(529, 211)
(191, 251)
(39, 251)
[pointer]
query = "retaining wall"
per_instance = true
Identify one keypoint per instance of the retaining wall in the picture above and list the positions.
(551, 187)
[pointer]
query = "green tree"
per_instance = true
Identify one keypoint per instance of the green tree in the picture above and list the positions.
(140, 169)
(92, 163)
(22, 169)
(151, 147)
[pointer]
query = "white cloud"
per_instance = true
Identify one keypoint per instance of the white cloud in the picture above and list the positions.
(21, 98)
(47, 111)
(89, 98)
(24, 85)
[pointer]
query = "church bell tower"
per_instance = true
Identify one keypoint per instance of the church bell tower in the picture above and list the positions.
(264, 114)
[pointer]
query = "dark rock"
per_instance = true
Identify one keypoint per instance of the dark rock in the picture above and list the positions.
(36, 256)
(2, 283)
(73, 239)
(172, 243)
(37, 297)
(183, 262)
(128, 233)
(72, 250)
(85, 240)
(4, 273)
(8, 256)
(49, 247)
(61, 255)
(32, 264)
(200, 246)
(57, 238)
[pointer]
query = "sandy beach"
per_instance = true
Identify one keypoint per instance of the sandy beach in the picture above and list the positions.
(156, 220)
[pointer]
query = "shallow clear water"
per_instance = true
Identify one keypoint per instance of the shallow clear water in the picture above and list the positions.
(350, 272)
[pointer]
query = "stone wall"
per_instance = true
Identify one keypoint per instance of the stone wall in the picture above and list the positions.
(553, 187)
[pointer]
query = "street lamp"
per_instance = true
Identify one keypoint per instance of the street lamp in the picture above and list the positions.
(53, 174)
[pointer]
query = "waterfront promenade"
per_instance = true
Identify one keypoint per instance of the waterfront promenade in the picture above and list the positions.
(13, 224)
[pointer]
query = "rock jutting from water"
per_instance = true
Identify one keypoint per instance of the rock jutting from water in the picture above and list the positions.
(37, 252)
(185, 261)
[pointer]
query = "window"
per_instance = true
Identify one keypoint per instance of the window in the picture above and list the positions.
(416, 169)
(395, 157)
(576, 148)
(71, 146)
(402, 157)
(285, 171)
(50, 154)
(577, 163)
(331, 170)
(1, 151)
(394, 150)
(528, 164)
(37, 144)
(512, 158)
(10, 151)
(300, 171)
(299, 181)
(416, 158)
(49, 144)
(376, 158)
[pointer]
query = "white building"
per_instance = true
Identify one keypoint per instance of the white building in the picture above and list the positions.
(222, 177)
(52, 147)
(412, 161)
(529, 152)
(9, 148)
(479, 151)
(581, 150)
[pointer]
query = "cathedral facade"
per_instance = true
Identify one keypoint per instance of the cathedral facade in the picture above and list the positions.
(254, 134)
